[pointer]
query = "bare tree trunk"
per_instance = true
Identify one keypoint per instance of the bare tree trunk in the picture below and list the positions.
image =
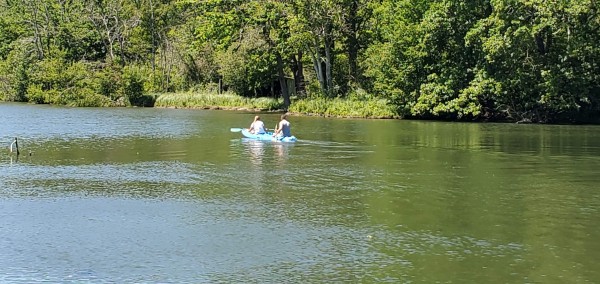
(122, 49)
(169, 63)
(37, 33)
(153, 37)
(352, 40)
(109, 37)
(163, 65)
(316, 58)
(329, 60)
(107, 18)
(98, 25)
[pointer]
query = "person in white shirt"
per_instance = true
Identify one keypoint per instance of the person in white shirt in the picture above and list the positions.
(257, 126)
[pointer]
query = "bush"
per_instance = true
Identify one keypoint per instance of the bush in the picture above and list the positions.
(133, 86)
(91, 100)
(372, 108)
(108, 80)
(213, 100)
(15, 73)
(35, 94)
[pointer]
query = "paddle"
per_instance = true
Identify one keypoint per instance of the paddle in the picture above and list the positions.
(235, 129)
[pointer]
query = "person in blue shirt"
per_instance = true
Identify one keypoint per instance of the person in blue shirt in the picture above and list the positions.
(283, 128)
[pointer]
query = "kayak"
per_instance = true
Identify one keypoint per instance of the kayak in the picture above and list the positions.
(267, 137)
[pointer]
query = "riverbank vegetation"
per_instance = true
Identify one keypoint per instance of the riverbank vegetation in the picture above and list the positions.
(319, 106)
(493, 60)
(209, 100)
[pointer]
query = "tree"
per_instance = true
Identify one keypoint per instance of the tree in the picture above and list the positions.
(543, 55)
(316, 27)
(113, 21)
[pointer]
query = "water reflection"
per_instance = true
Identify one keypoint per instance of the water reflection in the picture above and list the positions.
(282, 152)
(283, 149)
(255, 149)
(260, 151)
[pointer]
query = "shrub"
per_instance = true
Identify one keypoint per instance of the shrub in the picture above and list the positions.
(133, 85)
(212, 100)
(344, 108)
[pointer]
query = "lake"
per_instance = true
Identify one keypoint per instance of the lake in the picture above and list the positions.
(143, 195)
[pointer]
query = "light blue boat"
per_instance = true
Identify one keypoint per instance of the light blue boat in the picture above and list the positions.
(265, 137)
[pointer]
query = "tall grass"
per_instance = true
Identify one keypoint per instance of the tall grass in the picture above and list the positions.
(366, 108)
(211, 100)
(372, 108)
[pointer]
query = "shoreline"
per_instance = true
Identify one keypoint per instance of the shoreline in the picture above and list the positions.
(255, 110)
(325, 115)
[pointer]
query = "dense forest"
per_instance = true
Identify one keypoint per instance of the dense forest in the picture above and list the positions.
(486, 60)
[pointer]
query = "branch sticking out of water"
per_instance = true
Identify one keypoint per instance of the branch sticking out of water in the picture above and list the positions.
(16, 144)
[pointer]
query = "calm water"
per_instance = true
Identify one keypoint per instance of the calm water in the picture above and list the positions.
(171, 196)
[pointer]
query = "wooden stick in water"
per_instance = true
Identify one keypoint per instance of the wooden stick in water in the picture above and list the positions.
(16, 143)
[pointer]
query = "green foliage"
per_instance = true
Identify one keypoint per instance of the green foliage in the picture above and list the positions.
(36, 94)
(107, 80)
(535, 51)
(373, 108)
(134, 83)
(246, 67)
(517, 60)
(317, 106)
(14, 73)
(54, 81)
(7, 35)
(133, 86)
(433, 98)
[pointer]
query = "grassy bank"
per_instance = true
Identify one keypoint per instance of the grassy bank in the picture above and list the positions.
(343, 108)
(216, 101)
(315, 106)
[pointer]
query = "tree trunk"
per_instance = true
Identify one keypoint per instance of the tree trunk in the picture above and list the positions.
(109, 37)
(153, 38)
(297, 69)
(37, 33)
(316, 58)
(284, 88)
(352, 41)
(329, 59)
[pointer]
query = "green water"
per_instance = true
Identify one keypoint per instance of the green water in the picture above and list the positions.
(171, 196)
